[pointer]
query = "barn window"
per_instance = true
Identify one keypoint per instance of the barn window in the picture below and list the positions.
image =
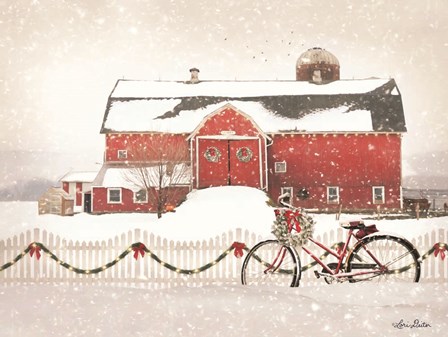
(286, 190)
(280, 167)
(114, 195)
(141, 196)
(378, 194)
(122, 154)
(333, 195)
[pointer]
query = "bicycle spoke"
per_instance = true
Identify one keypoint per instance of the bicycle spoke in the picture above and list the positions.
(270, 263)
(398, 260)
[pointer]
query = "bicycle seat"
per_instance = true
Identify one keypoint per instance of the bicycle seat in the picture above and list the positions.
(352, 224)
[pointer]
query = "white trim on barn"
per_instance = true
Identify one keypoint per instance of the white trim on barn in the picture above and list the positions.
(227, 135)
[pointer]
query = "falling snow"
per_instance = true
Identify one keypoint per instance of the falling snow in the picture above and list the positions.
(59, 61)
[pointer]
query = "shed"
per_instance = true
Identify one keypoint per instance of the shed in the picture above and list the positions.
(56, 201)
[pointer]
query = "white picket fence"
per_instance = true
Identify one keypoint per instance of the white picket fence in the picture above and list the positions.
(147, 273)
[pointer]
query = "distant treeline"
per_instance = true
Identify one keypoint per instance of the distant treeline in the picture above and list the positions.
(29, 190)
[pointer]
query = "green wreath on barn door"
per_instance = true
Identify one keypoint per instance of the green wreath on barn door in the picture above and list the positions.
(244, 154)
(212, 154)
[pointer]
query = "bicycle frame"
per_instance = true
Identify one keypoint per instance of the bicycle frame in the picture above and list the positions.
(340, 256)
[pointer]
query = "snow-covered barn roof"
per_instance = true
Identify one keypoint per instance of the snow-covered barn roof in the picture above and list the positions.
(276, 106)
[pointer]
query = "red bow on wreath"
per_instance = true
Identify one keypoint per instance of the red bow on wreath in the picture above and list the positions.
(291, 217)
(35, 249)
(440, 248)
(139, 249)
(238, 246)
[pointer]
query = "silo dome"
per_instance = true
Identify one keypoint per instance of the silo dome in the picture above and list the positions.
(317, 65)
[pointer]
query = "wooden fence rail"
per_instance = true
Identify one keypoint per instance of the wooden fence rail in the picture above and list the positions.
(148, 273)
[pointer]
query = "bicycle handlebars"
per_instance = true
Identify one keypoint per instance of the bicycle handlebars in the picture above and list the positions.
(283, 203)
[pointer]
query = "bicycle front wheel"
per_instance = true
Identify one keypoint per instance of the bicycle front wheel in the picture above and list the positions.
(398, 256)
(271, 263)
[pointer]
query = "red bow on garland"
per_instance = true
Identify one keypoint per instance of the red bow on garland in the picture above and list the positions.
(35, 249)
(139, 248)
(440, 248)
(238, 246)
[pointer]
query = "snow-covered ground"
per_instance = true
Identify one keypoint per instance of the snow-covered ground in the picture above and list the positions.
(364, 309)
(205, 214)
(346, 310)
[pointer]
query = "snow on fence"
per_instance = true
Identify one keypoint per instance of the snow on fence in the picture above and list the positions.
(147, 273)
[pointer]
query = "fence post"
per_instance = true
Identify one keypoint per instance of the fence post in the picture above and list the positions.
(441, 264)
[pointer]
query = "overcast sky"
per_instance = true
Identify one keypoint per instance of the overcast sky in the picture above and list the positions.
(60, 59)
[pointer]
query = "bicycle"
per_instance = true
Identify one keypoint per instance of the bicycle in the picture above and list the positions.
(374, 256)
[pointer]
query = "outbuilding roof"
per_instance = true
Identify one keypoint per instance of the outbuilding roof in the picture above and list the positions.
(79, 177)
(276, 106)
(120, 175)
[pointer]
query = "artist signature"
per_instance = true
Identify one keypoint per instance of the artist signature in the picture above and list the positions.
(411, 325)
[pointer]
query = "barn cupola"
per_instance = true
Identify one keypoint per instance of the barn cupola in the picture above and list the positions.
(318, 66)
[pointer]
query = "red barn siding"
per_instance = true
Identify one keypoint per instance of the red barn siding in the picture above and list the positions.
(225, 120)
(78, 189)
(354, 163)
(122, 141)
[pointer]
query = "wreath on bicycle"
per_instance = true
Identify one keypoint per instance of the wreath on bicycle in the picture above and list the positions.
(212, 154)
(292, 228)
(244, 154)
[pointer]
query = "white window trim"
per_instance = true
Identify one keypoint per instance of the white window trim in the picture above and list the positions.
(108, 195)
(287, 189)
(124, 154)
(141, 201)
(328, 195)
(374, 201)
(280, 171)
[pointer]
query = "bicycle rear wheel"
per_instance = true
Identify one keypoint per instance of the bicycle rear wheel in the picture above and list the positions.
(271, 263)
(399, 256)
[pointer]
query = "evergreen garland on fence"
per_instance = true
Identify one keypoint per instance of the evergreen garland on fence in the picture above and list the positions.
(139, 249)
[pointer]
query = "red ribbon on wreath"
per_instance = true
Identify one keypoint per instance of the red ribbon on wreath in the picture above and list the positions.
(35, 249)
(440, 248)
(292, 217)
(238, 246)
(139, 249)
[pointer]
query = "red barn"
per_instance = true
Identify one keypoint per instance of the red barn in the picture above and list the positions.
(331, 143)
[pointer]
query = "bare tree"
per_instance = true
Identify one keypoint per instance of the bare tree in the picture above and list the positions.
(160, 167)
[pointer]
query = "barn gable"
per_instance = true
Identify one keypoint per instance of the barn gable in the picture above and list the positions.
(228, 148)
(226, 122)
